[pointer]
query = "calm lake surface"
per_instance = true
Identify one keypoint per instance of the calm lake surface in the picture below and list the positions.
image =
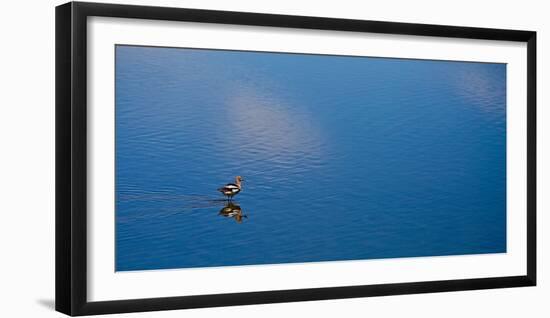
(343, 158)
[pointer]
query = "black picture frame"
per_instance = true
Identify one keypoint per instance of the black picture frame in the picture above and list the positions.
(71, 157)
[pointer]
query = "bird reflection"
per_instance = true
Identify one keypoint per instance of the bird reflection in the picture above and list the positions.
(233, 210)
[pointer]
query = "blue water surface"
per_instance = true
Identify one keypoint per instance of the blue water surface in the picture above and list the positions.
(344, 158)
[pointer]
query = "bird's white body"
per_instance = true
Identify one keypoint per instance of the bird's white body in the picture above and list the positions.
(231, 189)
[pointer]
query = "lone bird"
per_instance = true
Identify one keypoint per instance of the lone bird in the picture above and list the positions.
(231, 189)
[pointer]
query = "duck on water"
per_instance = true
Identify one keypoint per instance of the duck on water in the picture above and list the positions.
(232, 189)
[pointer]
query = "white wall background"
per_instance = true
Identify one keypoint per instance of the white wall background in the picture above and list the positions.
(27, 158)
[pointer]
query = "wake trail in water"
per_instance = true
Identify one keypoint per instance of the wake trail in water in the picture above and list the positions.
(175, 204)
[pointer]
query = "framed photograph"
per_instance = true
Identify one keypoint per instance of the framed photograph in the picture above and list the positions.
(211, 158)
